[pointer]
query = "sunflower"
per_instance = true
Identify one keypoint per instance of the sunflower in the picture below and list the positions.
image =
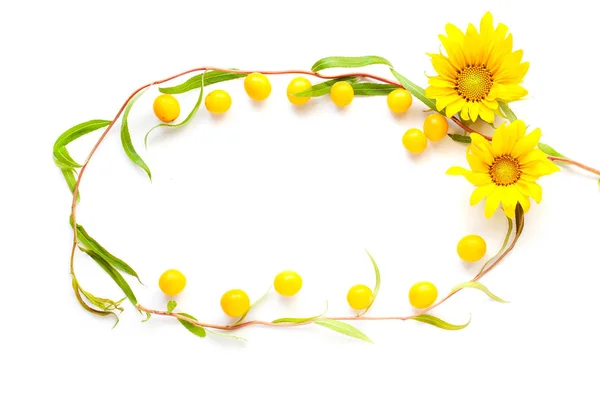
(506, 170)
(479, 71)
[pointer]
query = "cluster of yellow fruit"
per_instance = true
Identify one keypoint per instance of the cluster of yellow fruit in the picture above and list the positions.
(236, 302)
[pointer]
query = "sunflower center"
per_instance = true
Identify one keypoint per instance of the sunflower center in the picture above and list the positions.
(474, 83)
(505, 171)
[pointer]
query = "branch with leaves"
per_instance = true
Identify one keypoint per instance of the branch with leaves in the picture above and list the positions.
(363, 84)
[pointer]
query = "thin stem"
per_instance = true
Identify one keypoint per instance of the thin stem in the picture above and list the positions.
(356, 318)
(576, 163)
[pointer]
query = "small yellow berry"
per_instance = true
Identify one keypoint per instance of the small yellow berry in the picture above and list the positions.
(172, 282)
(287, 283)
(435, 127)
(422, 294)
(399, 100)
(166, 108)
(342, 93)
(298, 85)
(471, 248)
(257, 86)
(359, 297)
(218, 101)
(414, 141)
(235, 303)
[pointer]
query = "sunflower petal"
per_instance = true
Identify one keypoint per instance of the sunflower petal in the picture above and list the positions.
(443, 66)
(509, 201)
(531, 189)
(486, 114)
(527, 144)
(474, 111)
(493, 201)
(540, 168)
(480, 192)
(442, 102)
(455, 107)
(476, 178)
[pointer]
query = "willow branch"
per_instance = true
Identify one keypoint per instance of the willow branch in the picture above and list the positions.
(575, 163)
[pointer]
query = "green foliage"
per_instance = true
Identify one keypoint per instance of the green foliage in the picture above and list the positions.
(195, 82)
(435, 321)
(323, 88)
(478, 286)
(348, 62)
(301, 320)
(510, 115)
(377, 282)
(460, 138)
(415, 90)
(196, 330)
(171, 304)
(550, 151)
(126, 138)
(373, 89)
(343, 328)
(252, 305)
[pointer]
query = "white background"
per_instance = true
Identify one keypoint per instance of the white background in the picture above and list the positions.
(267, 187)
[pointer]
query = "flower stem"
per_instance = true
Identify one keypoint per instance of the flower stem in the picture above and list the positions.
(576, 163)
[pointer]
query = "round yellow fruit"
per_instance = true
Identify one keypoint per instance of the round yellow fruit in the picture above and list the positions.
(360, 297)
(287, 283)
(257, 86)
(172, 282)
(218, 101)
(235, 303)
(166, 108)
(422, 294)
(435, 127)
(414, 141)
(399, 100)
(471, 248)
(342, 93)
(298, 85)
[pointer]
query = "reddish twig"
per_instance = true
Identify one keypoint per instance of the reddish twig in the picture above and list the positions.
(576, 163)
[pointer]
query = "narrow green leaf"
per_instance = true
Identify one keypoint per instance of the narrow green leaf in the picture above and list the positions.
(195, 82)
(126, 138)
(69, 175)
(457, 137)
(343, 328)
(63, 159)
(435, 321)
(301, 320)
(348, 62)
(148, 315)
(227, 336)
(171, 304)
(478, 286)
(373, 89)
(550, 151)
(504, 244)
(377, 283)
(196, 330)
(323, 88)
(78, 131)
(185, 121)
(252, 305)
(519, 220)
(415, 90)
(113, 273)
(116, 262)
(104, 304)
(102, 313)
(510, 115)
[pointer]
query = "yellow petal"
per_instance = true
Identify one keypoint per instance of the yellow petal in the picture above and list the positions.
(486, 113)
(476, 163)
(527, 144)
(455, 107)
(486, 27)
(476, 178)
(540, 168)
(493, 201)
(441, 82)
(443, 66)
(442, 102)
(531, 189)
(474, 111)
(464, 113)
(509, 201)
(480, 192)
(472, 46)
(498, 141)
(533, 156)
(510, 92)
(482, 148)
(434, 92)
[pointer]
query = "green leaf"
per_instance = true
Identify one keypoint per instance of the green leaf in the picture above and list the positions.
(196, 81)
(323, 88)
(185, 121)
(116, 262)
(343, 328)
(373, 89)
(171, 304)
(435, 321)
(415, 90)
(126, 138)
(457, 137)
(504, 244)
(113, 273)
(252, 305)
(102, 313)
(478, 286)
(196, 330)
(550, 151)
(377, 283)
(227, 336)
(348, 62)
(148, 315)
(519, 221)
(71, 134)
(510, 115)
(69, 175)
(301, 320)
